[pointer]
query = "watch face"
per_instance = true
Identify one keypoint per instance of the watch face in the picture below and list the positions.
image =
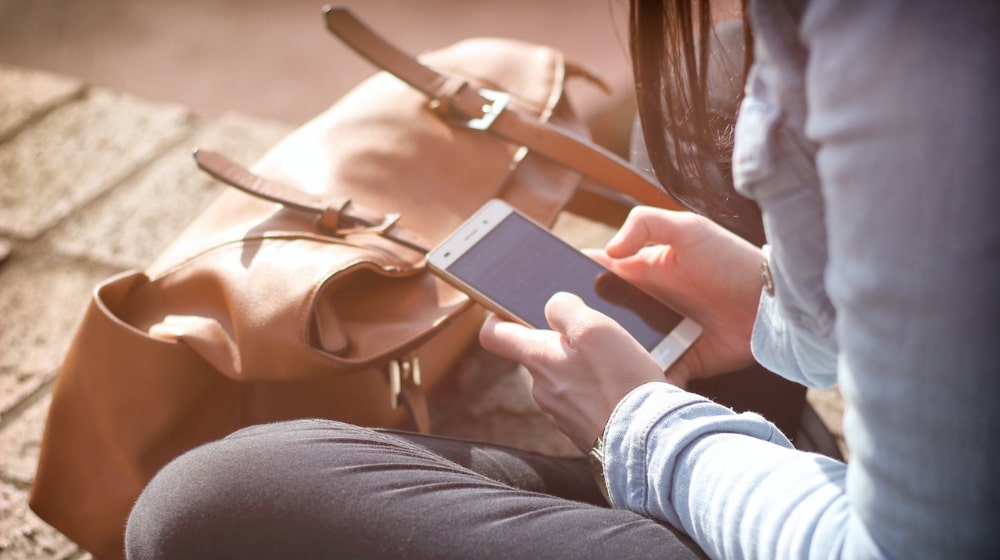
(766, 278)
(596, 460)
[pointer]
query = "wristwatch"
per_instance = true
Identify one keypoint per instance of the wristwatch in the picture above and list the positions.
(596, 459)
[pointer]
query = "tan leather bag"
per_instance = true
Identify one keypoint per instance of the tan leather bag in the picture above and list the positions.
(304, 301)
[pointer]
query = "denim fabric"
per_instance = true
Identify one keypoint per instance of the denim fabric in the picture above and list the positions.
(869, 136)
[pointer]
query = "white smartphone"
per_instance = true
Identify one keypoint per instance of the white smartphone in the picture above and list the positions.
(513, 266)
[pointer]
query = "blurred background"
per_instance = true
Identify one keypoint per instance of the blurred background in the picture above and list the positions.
(274, 59)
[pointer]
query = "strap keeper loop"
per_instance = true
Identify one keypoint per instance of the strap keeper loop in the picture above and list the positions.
(443, 96)
(329, 220)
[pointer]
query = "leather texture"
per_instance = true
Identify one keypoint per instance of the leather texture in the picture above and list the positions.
(294, 302)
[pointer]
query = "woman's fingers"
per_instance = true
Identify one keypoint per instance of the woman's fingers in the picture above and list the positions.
(581, 368)
(587, 333)
(648, 269)
(572, 324)
(646, 225)
(598, 255)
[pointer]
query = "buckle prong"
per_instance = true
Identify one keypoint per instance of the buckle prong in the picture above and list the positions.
(498, 101)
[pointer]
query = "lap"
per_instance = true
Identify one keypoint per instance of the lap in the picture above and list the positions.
(316, 488)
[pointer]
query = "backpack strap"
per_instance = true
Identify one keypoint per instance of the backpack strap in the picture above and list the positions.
(488, 110)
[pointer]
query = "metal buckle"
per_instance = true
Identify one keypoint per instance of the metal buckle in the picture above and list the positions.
(498, 101)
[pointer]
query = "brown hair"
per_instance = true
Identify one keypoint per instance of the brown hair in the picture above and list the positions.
(689, 144)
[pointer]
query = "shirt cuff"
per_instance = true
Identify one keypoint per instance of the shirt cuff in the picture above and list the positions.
(648, 432)
(789, 350)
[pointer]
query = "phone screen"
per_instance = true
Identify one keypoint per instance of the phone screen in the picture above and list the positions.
(520, 266)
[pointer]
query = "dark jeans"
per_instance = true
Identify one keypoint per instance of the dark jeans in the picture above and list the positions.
(323, 489)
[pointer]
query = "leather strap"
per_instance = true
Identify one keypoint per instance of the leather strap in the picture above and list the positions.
(487, 110)
(337, 215)
(340, 216)
(415, 400)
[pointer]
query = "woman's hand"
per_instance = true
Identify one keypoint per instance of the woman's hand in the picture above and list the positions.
(581, 368)
(700, 269)
(587, 362)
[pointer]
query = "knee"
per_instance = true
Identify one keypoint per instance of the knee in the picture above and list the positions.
(164, 521)
(206, 495)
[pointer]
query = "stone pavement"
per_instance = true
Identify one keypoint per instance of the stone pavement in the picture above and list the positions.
(93, 182)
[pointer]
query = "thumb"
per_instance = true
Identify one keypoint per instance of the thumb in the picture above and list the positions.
(565, 311)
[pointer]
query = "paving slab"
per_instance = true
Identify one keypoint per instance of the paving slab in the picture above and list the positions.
(76, 153)
(20, 441)
(23, 536)
(133, 223)
(27, 94)
(42, 298)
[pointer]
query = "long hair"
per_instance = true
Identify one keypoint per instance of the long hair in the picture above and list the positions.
(689, 142)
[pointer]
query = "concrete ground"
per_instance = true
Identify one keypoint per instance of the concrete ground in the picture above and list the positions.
(100, 103)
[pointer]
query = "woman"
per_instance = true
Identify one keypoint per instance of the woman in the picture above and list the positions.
(866, 137)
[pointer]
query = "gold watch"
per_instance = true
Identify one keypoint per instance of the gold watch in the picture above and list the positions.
(596, 459)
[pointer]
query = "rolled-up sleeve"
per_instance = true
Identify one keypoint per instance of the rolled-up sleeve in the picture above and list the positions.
(796, 350)
(731, 481)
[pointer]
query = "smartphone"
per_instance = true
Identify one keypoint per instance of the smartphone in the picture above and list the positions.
(512, 266)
